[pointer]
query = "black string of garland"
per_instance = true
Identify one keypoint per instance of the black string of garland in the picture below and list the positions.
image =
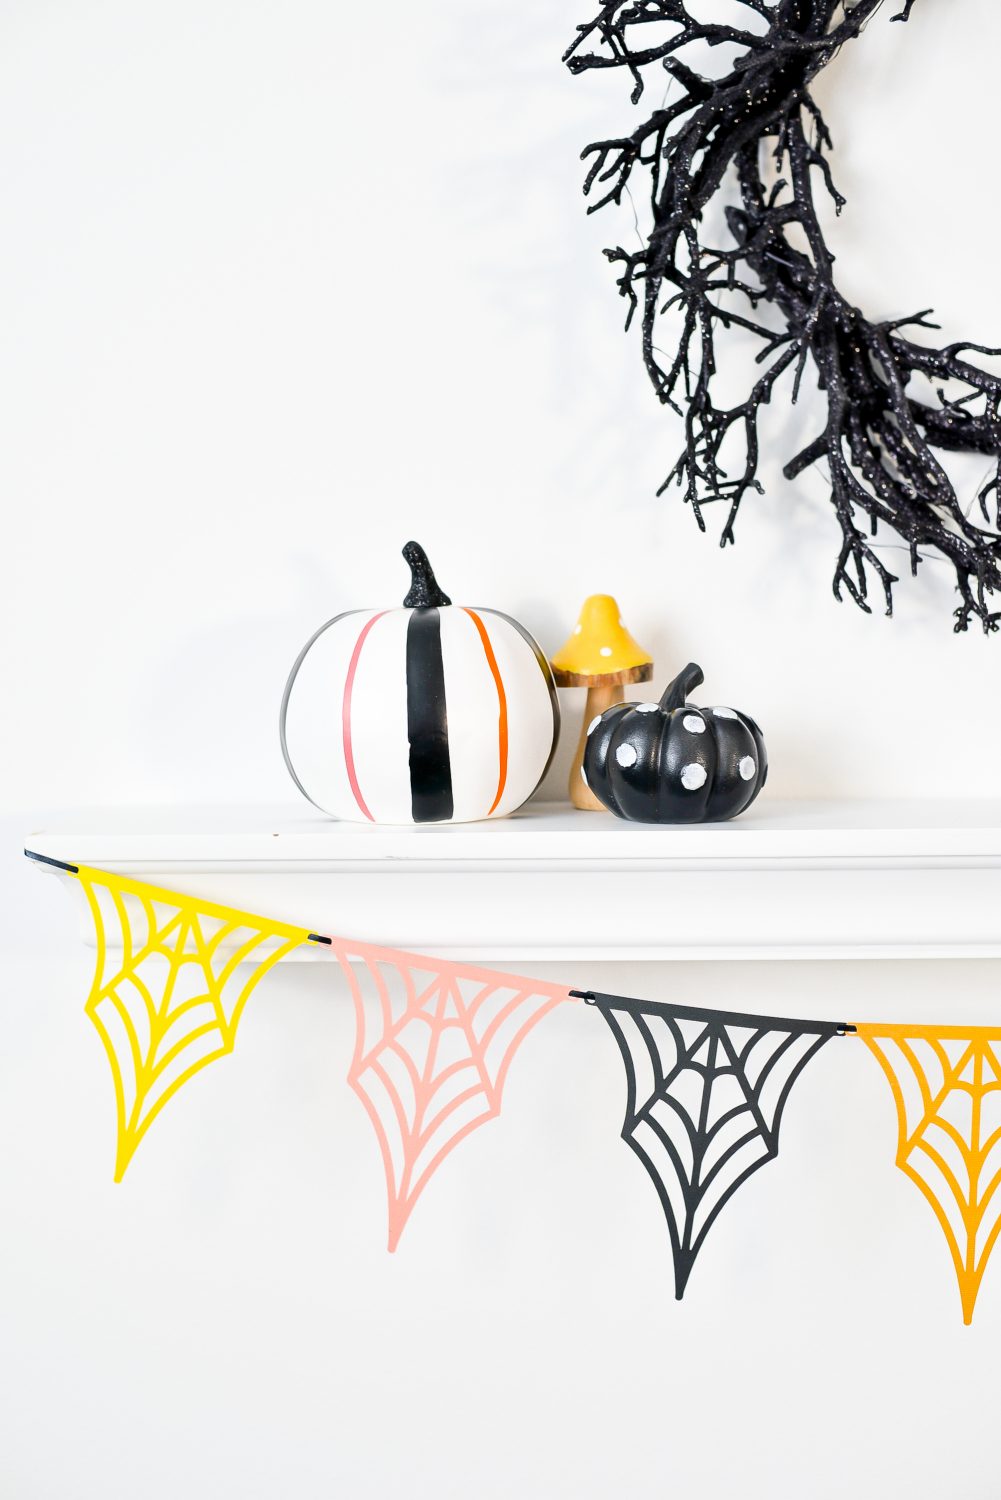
(892, 405)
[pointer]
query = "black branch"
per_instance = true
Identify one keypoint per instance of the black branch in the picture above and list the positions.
(752, 142)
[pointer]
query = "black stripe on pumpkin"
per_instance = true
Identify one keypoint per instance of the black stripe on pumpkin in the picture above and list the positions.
(427, 720)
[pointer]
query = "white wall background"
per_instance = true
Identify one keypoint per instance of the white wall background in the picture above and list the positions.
(280, 286)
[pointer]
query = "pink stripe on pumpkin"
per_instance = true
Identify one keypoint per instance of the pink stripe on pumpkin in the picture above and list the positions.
(349, 682)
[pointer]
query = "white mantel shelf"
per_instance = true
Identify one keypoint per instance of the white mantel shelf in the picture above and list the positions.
(797, 879)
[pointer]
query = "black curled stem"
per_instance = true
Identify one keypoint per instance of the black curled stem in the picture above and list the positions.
(425, 592)
(753, 142)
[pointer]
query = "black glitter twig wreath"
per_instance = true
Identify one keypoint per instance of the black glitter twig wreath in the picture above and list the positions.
(892, 404)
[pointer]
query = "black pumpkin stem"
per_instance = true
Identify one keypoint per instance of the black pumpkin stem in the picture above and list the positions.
(677, 691)
(425, 592)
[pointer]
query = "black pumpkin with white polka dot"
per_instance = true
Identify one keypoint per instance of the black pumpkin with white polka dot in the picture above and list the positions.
(670, 762)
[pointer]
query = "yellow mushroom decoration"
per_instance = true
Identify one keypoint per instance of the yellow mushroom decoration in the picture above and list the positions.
(602, 656)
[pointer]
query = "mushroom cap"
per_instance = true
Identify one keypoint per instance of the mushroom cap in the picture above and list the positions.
(600, 649)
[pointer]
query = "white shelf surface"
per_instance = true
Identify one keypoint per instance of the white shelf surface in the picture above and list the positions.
(796, 879)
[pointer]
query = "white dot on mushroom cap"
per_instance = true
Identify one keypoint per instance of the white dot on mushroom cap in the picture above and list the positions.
(747, 768)
(693, 776)
(594, 724)
(583, 777)
(605, 651)
(647, 708)
(725, 713)
(626, 755)
(694, 724)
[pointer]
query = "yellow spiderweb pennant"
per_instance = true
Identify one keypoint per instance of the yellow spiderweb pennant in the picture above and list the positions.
(433, 1045)
(946, 1082)
(169, 1001)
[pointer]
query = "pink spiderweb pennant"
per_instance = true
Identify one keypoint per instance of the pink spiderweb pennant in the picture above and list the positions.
(434, 1043)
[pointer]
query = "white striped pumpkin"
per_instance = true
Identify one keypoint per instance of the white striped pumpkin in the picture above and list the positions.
(429, 713)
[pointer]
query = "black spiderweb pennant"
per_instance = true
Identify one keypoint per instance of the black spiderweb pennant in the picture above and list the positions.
(706, 1091)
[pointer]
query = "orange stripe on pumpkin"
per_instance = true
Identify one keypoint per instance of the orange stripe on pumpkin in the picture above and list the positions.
(349, 682)
(488, 652)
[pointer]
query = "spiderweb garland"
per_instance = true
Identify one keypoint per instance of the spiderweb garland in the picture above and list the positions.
(946, 1084)
(172, 1003)
(433, 1046)
(706, 1089)
(705, 1095)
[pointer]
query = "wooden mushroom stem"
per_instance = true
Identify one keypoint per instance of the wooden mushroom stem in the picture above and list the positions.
(602, 694)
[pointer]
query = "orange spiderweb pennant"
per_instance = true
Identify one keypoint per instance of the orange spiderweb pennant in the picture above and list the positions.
(167, 1002)
(946, 1083)
(433, 1047)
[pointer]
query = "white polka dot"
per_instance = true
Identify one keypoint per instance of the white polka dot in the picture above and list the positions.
(583, 777)
(647, 708)
(725, 713)
(693, 776)
(694, 724)
(747, 768)
(626, 755)
(605, 651)
(578, 629)
(594, 724)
